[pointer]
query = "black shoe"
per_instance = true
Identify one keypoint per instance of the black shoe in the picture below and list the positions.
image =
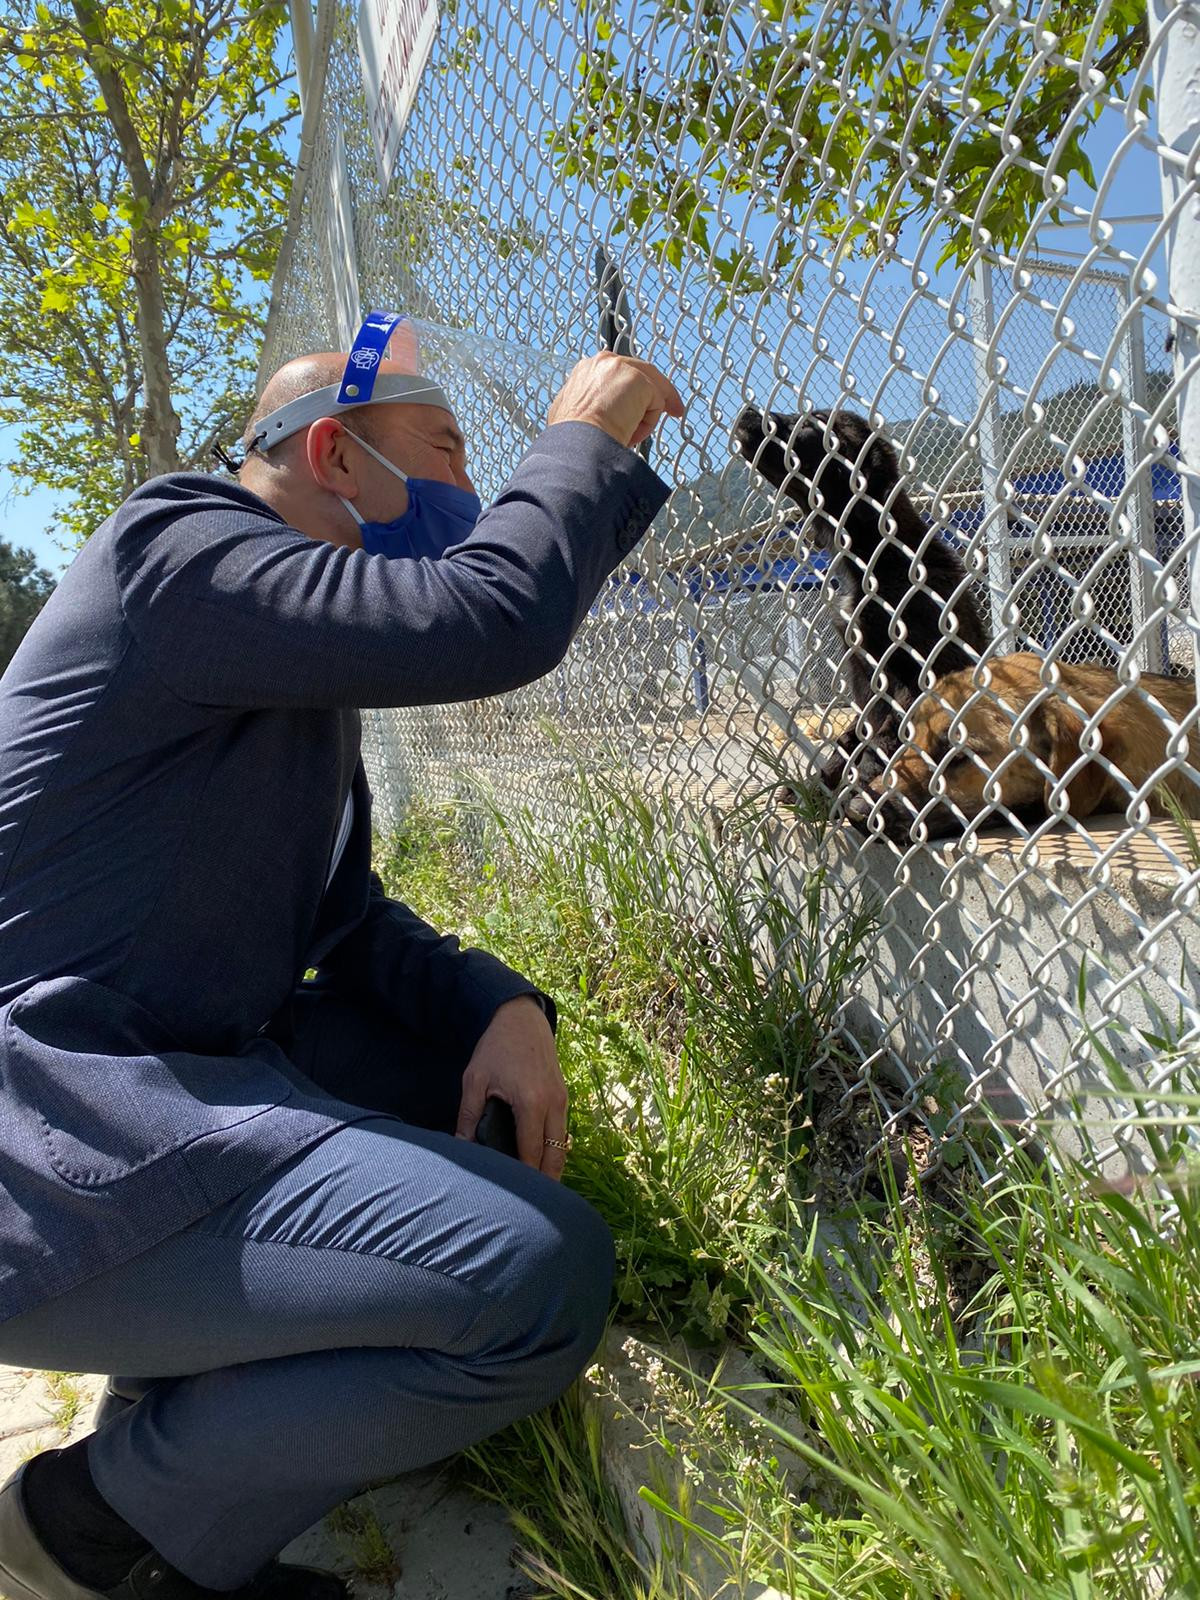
(29, 1572)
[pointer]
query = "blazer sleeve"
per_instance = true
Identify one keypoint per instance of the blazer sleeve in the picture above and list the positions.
(234, 609)
(397, 960)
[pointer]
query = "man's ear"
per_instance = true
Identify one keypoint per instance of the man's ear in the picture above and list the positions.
(1055, 736)
(329, 460)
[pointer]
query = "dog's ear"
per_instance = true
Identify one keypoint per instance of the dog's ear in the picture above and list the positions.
(1055, 736)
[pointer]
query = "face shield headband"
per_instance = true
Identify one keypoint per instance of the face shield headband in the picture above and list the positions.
(439, 515)
(362, 384)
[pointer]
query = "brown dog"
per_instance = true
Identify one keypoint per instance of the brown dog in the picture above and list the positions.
(1041, 745)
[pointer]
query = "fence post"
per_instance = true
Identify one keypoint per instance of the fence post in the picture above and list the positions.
(1143, 555)
(991, 447)
(303, 44)
(1175, 47)
(699, 671)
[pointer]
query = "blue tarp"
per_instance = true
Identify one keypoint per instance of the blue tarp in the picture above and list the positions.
(741, 570)
(746, 570)
(1106, 474)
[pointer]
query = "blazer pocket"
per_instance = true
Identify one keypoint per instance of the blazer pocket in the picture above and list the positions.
(113, 1090)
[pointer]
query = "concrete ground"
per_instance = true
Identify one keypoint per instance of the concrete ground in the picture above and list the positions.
(421, 1537)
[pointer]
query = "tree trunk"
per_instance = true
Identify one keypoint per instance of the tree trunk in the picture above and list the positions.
(160, 424)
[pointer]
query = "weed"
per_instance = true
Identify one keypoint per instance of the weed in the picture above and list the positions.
(70, 1397)
(546, 1470)
(1186, 823)
(992, 1386)
(357, 1529)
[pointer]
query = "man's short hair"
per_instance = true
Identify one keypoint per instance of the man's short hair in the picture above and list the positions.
(300, 377)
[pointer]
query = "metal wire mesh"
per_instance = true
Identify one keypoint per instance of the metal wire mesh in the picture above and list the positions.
(783, 193)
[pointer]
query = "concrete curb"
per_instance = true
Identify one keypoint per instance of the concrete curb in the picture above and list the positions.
(664, 1431)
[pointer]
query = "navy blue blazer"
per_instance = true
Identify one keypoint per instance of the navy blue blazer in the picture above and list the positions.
(178, 734)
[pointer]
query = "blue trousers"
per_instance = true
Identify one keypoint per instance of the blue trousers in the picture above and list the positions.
(388, 1297)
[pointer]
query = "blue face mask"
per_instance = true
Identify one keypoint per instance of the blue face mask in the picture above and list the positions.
(439, 515)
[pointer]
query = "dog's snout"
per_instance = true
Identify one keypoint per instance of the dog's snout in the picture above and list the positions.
(748, 429)
(890, 814)
(858, 808)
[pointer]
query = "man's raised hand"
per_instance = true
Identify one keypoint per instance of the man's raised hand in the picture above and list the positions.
(624, 396)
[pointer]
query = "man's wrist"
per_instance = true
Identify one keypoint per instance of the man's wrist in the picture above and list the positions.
(543, 1002)
(537, 999)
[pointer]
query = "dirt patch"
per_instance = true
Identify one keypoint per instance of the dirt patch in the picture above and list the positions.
(868, 1152)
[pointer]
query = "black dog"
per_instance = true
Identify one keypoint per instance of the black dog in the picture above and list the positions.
(896, 630)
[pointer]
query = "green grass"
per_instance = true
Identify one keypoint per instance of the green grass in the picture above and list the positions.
(691, 1074)
(71, 1399)
(1183, 821)
(357, 1530)
(1044, 1440)
(546, 1471)
(988, 1394)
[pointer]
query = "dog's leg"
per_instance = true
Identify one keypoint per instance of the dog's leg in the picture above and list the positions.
(862, 757)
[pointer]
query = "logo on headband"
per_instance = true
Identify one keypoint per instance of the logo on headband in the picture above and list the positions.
(367, 352)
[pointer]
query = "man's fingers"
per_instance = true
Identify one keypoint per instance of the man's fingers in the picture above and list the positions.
(534, 1126)
(470, 1108)
(645, 428)
(669, 399)
(554, 1159)
(516, 1062)
(622, 395)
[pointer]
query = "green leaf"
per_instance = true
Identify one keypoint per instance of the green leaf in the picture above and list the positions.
(1016, 1397)
(1076, 1401)
(663, 122)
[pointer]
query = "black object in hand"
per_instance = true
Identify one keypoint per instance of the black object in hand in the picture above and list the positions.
(497, 1127)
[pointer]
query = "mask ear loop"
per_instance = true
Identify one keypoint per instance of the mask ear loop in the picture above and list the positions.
(231, 466)
(378, 454)
(390, 465)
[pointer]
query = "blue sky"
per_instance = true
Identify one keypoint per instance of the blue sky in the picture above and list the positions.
(29, 520)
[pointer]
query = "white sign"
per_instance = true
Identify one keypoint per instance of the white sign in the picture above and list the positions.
(340, 243)
(394, 41)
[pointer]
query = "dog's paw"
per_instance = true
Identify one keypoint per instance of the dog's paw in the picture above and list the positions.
(832, 773)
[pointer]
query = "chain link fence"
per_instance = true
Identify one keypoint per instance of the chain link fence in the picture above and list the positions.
(945, 220)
